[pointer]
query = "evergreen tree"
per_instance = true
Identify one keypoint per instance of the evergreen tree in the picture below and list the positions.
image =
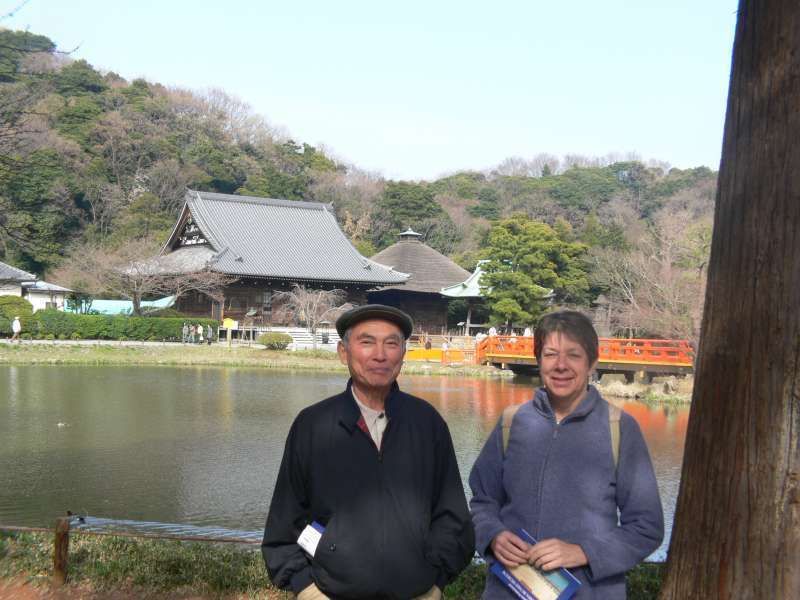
(526, 259)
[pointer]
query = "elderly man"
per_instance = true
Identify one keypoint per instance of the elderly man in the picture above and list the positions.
(373, 470)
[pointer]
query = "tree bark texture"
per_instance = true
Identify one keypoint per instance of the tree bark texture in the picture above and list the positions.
(737, 525)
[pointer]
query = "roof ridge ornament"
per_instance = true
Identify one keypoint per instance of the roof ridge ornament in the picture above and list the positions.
(410, 235)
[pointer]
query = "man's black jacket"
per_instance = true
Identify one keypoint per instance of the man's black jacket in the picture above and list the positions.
(396, 521)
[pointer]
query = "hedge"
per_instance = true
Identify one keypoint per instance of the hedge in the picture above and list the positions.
(55, 324)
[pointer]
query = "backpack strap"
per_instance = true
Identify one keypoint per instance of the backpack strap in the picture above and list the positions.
(614, 415)
(508, 417)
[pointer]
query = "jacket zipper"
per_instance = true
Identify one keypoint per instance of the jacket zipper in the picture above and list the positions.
(384, 535)
(553, 437)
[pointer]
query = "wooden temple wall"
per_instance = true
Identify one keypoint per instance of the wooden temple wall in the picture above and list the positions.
(258, 296)
(429, 311)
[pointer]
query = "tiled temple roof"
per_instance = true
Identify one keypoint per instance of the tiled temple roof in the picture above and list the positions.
(264, 237)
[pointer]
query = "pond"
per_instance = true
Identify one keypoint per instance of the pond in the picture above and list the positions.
(202, 445)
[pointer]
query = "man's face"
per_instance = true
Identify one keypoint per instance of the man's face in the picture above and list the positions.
(373, 354)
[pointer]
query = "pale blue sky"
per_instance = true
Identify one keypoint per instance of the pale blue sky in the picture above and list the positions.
(416, 89)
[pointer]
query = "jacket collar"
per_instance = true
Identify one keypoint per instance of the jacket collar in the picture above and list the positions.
(349, 413)
(541, 402)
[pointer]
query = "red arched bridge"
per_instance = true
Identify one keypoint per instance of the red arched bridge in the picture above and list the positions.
(625, 356)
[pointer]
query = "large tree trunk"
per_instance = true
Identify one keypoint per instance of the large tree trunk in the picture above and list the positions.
(737, 526)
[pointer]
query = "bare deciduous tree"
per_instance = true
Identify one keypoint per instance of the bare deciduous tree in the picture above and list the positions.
(513, 166)
(465, 225)
(133, 272)
(238, 119)
(168, 180)
(516, 166)
(657, 287)
(311, 307)
(353, 191)
(356, 228)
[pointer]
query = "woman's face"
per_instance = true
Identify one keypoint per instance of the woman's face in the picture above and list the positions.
(564, 368)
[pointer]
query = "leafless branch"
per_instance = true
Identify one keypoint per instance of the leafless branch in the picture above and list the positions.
(132, 271)
(311, 307)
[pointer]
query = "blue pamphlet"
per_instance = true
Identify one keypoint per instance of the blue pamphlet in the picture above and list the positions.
(318, 527)
(529, 583)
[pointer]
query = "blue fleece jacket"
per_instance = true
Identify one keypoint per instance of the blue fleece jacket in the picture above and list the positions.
(559, 481)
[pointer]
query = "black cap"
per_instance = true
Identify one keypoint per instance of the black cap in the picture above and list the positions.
(375, 311)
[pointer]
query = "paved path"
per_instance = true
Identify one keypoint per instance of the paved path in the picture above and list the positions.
(136, 343)
(7, 342)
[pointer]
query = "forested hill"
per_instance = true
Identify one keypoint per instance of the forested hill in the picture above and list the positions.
(90, 158)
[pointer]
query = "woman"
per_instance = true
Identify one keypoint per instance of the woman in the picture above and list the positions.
(560, 476)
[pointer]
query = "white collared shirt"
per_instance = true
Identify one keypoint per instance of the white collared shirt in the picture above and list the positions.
(376, 420)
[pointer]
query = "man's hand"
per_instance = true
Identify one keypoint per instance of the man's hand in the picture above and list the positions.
(432, 594)
(311, 592)
(509, 549)
(553, 553)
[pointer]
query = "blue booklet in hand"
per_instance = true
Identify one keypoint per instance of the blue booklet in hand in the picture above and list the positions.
(529, 583)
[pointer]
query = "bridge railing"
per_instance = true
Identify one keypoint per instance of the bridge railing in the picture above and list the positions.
(654, 351)
(458, 356)
(503, 344)
(675, 352)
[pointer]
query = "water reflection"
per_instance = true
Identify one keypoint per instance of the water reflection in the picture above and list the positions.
(203, 445)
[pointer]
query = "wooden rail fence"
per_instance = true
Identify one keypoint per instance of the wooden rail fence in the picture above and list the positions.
(62, 531)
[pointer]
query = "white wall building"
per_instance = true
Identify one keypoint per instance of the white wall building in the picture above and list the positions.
(44, 295)
(41, 295)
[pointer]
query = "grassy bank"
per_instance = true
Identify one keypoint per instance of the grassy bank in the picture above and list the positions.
(156, 568)
(215, 355)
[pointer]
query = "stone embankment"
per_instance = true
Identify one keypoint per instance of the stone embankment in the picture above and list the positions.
(662, 389)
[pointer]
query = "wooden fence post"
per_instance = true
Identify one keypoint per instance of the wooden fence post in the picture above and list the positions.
(61, 551)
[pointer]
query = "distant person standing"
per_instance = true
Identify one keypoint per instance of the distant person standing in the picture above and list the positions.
(199, 333)
(192, 333)
(210, 335)
(16, 328)
(492, 331)
(185, 332)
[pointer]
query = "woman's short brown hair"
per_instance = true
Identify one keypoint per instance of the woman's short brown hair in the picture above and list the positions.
(571, 323)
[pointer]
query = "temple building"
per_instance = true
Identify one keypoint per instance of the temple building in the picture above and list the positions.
(429, 272)
(266, 245)
(468, 290)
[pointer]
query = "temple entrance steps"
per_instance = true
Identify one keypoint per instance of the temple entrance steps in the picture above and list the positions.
(303, 341)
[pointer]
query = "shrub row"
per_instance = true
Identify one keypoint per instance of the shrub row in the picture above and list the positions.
(55, 324)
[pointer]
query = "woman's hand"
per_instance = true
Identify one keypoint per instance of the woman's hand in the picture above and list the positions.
(553, 553)
(509, 549)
